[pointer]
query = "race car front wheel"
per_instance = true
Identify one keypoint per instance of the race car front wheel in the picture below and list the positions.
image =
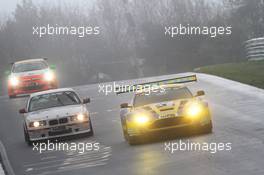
(208, 128)
(91, 133)
(12, 96)
(27, 140)
(125, 131)
(133, 140)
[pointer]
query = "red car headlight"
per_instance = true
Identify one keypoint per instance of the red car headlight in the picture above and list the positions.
(49, 76)
(14, 81)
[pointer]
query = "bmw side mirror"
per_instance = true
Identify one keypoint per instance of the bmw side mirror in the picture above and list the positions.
(86, 100)
(22, 111)
(125, 105)
(200, 93)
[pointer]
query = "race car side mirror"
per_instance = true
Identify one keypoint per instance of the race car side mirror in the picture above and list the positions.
(125, 105)
(22, 111)
(53, 67)
(86, 100)
(200, 93)
(7, 73)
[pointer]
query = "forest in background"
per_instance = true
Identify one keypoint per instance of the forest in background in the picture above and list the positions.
(131, 43)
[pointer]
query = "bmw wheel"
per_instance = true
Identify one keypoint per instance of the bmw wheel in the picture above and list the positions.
(27, 140)
(91, 133)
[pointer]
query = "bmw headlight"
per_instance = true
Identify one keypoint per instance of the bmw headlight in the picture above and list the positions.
(37, 124)
(79, 117)
(49, 76)
(14, 81)
(194, 109)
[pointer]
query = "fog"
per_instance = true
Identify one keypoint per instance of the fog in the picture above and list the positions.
(132, 41)
(9, 6)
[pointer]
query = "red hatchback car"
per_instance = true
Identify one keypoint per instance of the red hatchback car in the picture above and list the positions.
(29, 76)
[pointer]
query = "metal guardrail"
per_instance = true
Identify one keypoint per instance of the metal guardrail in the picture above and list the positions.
(255, 49)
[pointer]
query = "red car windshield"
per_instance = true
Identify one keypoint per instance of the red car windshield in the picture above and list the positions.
(30, 66)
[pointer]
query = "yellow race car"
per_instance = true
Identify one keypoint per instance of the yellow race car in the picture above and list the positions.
(170, 106)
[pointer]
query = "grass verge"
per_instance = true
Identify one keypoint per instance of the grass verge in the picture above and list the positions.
(251, 72)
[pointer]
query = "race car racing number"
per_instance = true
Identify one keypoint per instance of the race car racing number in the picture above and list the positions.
(167, 116)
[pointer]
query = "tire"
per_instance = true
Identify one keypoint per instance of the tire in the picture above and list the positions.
(27, 140)
(124, 128)
(207, 129)
(125, 134)
(55, 86)
(133, 140)
(91, 133)
(12, 96)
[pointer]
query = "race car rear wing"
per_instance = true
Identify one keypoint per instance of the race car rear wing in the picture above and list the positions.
(138, 87)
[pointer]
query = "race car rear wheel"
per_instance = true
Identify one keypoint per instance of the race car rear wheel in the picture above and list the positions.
(90, 133)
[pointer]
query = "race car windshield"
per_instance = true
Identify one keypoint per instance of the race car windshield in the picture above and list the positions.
(31, 66)
(169, 94)
(53, 100)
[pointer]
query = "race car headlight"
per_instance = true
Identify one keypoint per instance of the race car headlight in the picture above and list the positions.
(79, 117)
(141, 119)
(49, 76)
(37, 124)
(194, 109)
(14, 81)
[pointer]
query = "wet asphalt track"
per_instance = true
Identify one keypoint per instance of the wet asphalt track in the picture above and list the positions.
(238, 117)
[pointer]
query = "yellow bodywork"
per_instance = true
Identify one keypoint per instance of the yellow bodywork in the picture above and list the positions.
(194, 113)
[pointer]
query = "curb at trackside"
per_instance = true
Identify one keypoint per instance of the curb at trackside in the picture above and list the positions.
(5, 161)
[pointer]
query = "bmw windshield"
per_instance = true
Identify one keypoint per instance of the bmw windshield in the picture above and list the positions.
(51, 100)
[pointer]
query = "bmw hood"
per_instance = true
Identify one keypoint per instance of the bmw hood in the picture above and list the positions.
(56, 112)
